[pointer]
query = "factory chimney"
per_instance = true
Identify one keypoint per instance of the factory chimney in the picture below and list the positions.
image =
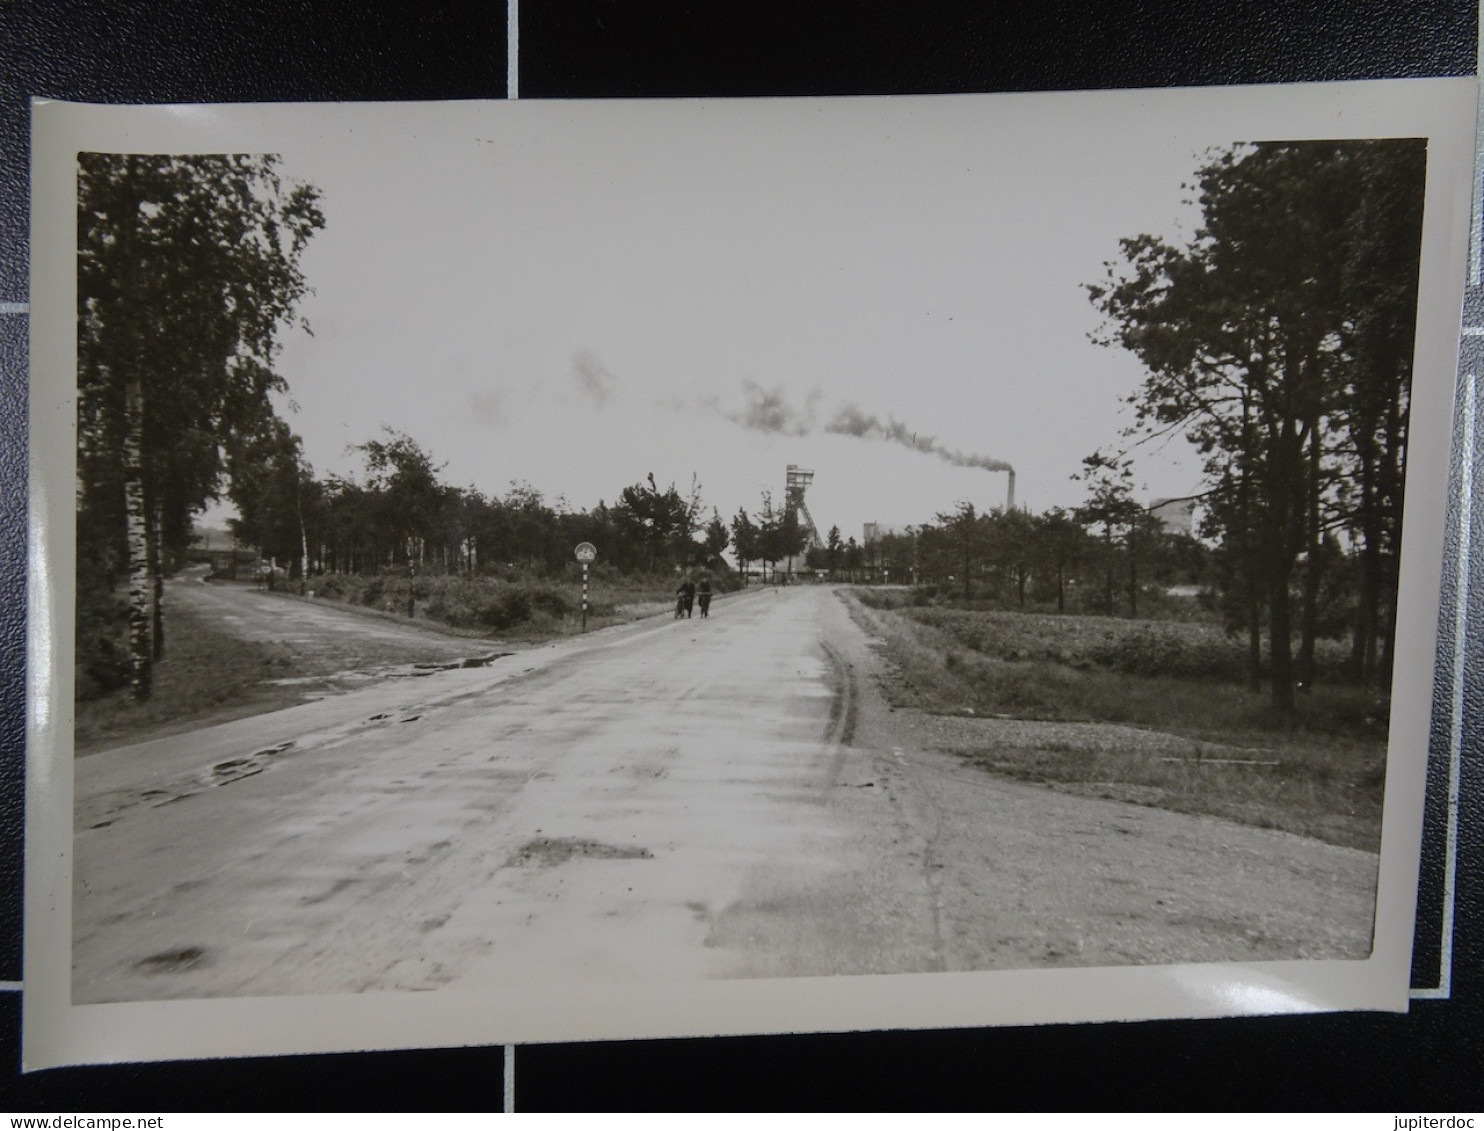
(1010, 494)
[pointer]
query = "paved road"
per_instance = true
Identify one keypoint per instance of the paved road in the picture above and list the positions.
(666, 800)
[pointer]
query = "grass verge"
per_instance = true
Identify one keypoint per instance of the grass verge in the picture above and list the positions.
(1209, 746)
(522, 609)
(208, 676)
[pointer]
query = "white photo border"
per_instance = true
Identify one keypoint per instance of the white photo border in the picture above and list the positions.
(55, 1032)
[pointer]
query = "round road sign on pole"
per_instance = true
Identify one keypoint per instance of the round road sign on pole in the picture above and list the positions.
(586, 552)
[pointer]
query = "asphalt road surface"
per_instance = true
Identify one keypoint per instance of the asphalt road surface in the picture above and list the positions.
(666, 800)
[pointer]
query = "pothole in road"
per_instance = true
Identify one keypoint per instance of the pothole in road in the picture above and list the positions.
(547, 851)
(172, 961)
(236, 768)
(452, 665)
(393, 671)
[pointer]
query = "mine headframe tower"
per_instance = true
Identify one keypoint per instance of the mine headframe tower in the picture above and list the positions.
(797, 482)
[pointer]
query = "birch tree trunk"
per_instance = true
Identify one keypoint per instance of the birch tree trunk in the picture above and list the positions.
(157, 575)
(1314, 566)
(1254, 637)
(303, 541)
(136, 518)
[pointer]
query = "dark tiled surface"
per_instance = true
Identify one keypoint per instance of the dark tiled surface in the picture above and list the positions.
(670, 48)
(197, 50)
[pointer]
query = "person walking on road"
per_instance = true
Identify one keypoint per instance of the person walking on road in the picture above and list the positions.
(703, 591)
(685, 598)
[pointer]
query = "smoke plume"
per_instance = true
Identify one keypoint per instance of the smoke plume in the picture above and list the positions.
(593, 377)
(852, 421)
(768, 410)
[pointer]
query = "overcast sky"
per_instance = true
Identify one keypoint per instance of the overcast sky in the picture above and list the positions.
(576, 296)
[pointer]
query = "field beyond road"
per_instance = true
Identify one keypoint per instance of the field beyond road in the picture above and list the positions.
(1146, 711)
(723, 798)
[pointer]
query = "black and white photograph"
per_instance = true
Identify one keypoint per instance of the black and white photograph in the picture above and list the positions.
(540, 572)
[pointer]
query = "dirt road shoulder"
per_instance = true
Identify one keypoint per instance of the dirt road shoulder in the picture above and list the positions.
(1021, 875)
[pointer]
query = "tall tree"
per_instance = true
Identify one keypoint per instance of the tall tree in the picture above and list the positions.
(187, 267)
(791, 538)
(273, 490)
(833, 548)
(769, 543)
(717, 539)
(405, 478)
(1059, 544)
(780, 535)
(1112, 515)
(1251, 339)
(854, 557)
(964, 531)
(662, 520)
(1011, 536)
(1380, 286)
(744, 540)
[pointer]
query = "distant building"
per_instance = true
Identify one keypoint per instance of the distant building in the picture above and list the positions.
(890, 551)
(1177, 516)
(227, 558)
(875, 531)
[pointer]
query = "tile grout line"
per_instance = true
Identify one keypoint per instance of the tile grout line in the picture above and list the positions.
(1476, 217)
(1460, 671)
(509, 1079)
(18, 309)
(512, 49)
(512, 92)
(1444, 988)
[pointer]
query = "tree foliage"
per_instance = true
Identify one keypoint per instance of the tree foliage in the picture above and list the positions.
(187, 266)
(662, 520)
(398, 515)
(274, 492)
(1278, 341)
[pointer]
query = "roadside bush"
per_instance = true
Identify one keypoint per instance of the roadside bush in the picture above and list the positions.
(889, 598)
(477, 603)
(510, 600)
(550, 600)
(505, 608)
(1150, 650)
(726, 581)
(481, 603)
(101, 663)
(330, 586)
(1185, 649)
